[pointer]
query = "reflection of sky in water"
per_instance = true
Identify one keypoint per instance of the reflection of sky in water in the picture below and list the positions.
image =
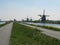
(2, 22)
(42, 24)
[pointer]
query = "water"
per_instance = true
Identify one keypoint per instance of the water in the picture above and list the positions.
(44, 24)
(2, 22)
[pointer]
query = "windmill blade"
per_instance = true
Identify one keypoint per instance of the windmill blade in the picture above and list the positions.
(47, 15)
(44, 12)
(40, 18)
(40, 15)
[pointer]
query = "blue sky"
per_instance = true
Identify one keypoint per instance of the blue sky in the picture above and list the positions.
(20, 9)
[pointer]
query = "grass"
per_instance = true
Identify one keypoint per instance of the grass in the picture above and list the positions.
(4, 24)
(23, 35)
(47, 27)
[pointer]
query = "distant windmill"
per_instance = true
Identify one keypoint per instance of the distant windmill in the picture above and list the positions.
(27, 19)
(43, 17)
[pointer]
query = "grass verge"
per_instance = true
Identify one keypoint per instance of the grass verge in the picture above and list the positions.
(3, 24)
(47, 27)
(23, 35)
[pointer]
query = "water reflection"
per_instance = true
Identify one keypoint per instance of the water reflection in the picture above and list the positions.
(2, 22)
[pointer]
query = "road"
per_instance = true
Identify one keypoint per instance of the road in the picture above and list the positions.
(5, 33)
(55, 34)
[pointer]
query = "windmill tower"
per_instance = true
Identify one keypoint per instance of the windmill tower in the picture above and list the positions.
(27, 19)
(43, 17)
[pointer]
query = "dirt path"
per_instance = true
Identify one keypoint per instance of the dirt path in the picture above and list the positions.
(5, 32)
(55, 34)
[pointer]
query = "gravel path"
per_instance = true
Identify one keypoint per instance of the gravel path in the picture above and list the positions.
(55, 34)
(5, 32)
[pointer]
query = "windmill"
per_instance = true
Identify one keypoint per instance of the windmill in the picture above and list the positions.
(27, 19)
(43, 17)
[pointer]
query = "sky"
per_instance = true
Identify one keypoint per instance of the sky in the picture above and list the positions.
(21, 9)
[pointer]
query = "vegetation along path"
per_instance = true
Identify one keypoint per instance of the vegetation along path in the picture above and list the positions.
(49, 32)
(5, 34)
(24, 35)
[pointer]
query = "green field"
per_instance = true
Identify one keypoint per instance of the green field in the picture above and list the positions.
(23, 35)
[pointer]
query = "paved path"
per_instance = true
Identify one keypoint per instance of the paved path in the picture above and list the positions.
(5, 32)
(55, 34)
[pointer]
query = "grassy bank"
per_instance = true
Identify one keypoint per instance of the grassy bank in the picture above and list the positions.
(47, 27)
(23, 35)
(4, 24)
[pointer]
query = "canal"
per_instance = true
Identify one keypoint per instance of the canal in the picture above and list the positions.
(45, 24)
(2, 22)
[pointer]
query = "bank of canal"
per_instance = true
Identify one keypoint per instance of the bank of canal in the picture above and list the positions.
(24, 35)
